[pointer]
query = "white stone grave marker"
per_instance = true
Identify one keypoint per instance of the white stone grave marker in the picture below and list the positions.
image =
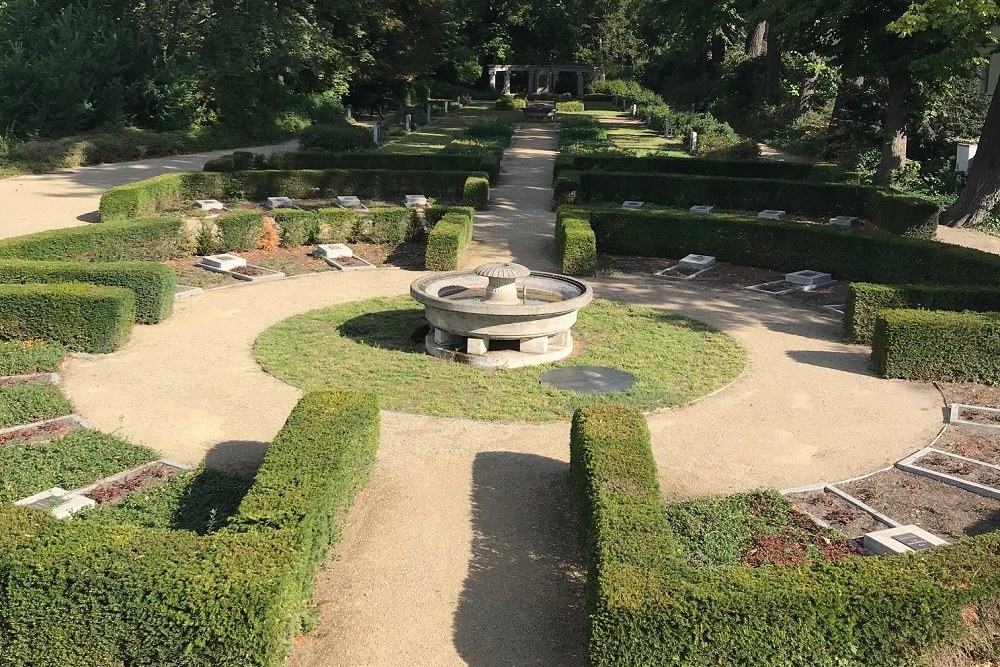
(772, 214)
(632, 205)
(349, 201)
(60, 503)
(808, 278)
(843, 221)
(209, 204)
(332, 251)
(702, 210)
(415, 200)
(225, 262)
(901, 540)
(698, 262)
(280, 202)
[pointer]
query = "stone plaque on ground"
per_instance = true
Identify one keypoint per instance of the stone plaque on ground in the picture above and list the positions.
(771, 214)
(844, 221)
(632, 205)
(210, 204)
(226, 262)
(589, 379)
(915, 542)
(349, 201)
(415, 200)
(698, 261)
(332, 251)
(702, 210)
(280, 202)
(808, 278)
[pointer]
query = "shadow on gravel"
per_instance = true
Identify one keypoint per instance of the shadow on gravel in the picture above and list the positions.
(522, 603)
(237, 457)
(849, 362)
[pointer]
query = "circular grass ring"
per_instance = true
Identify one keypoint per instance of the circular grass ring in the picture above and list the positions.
(372, 345)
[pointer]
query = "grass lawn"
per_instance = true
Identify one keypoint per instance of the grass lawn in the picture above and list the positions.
(201, 500)
(30, 356)
(643, 140)
(430, 139)
(27, 403)
(77, 459)
(369, 345)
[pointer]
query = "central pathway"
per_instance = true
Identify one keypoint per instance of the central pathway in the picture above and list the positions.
(462, 550)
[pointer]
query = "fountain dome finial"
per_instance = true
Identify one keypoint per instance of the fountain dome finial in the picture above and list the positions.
(503, 270)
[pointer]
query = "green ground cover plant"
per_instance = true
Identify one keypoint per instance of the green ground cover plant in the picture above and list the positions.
(201, 500)
(20, 357)
(27, 403)
(675, 359)
(77, 459)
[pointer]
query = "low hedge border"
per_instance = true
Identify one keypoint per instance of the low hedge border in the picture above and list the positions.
(152, 284)
(150, 239)
(362, 160)
(785, 246)
(891, 212)
(645, 606)
(172, 190)
(77, 594)
(788, 171)
(937, 345)
(391, 226)
(575, 242)
(447, 241)
(866, 300)
(83, 317)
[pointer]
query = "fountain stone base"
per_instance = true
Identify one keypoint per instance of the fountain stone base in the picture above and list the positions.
(507, 321)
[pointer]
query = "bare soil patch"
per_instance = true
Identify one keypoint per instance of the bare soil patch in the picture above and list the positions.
(837, 512)
(48, 431)
(981, 416)
(970, 393)
(970, 442)
(935, 506)
(112, 493)
(966, 470)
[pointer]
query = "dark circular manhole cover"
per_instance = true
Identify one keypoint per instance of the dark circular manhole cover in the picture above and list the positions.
(589, 379)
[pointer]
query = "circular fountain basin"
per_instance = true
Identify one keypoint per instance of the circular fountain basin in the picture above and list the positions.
(468, 328)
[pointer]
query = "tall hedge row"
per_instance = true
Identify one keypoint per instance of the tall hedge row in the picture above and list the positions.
(391, 226)
(447, 241)
(646, 606)
(361, 160)
(78, 594)
(891, 212)
(866, 300)
(937, 345)
(151, 239)
(163, 192)
(787, 171)
(788, 246)
(83, 317)
(151, 283)
(575, 242)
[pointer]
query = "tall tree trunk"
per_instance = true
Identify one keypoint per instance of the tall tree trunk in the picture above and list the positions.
(772, 69)
(982, 187)
(718, 50)
(755, 39)
(894, 129)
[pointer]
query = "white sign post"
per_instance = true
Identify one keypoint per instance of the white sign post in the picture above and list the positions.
(428, 113)
(376, 131)
(409, 122)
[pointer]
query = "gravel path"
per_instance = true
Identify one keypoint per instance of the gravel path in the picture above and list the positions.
(462, 550)
(70, 197)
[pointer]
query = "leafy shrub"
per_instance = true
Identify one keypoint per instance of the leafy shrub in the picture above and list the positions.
(937, 345)
(433, 214)
(239, 231)
(337, 225)
(744, 150)
(335, 138)
(894, 213)
(571, 106)
(447, 241)
(29, 403)
(866, 300)
(297, 227)
(152, 239)
(495, 129)
(387, 225)
(234, 597)
(647, 606)
(784, 246)
(575, 242)
(152, 283)
(20, 357)
(510, 103)
(88, 318)
(476, 192)
(206, 240)
(77, 459)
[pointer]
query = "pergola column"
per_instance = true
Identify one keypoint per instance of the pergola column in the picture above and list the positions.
(579, 84)
(506, 82)
(493, 78)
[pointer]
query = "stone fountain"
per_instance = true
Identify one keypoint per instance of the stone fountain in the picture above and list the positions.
(501, 315)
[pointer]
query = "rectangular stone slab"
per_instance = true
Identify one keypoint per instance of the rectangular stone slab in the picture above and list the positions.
(632, 205)
(844, 221)
(701, 210)
(809, 278)
(771, 214)
(280, 202)
(226, 261)
(698, 261)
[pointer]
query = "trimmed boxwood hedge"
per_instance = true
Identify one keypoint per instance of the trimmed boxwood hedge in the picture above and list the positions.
(476, 192)
(937, 345)
(384, 184)
(789, 246)
(788, 171)
(892, 212)
(335, 137)
(447, 241)
(152, 284)
(391, 226)
(361, 160)
(83, 317)
(575, 242)
(239, 231)
(646, 606)
(151, 239)
(79, 594)
(866, 300)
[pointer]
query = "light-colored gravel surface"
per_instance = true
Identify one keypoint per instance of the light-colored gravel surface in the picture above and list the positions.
(462, 550)
(969, 238)
(69, 198)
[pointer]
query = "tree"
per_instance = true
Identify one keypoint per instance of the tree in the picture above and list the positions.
(970, 24)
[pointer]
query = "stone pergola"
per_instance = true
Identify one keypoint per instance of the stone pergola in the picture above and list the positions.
(542, 78)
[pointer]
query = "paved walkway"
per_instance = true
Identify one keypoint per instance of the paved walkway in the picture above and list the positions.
(969, 238)
(462, 550)
(70, 197)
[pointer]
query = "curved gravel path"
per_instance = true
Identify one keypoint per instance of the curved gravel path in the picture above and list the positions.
(462, 551)
(70, 197)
